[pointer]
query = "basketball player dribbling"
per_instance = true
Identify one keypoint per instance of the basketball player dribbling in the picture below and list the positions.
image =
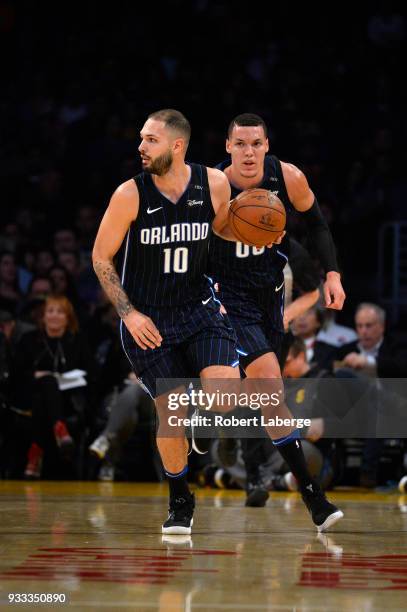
(171, 326)
(251, 288)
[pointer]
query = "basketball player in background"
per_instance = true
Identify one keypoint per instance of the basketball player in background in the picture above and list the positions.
(251, 287)
(171, 326)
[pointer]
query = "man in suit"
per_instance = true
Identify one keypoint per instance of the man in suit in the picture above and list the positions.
(374, 354)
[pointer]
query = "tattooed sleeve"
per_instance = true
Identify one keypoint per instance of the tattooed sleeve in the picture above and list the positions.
(110, 281)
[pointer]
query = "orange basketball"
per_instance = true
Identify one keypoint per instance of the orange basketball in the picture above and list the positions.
(257, 217)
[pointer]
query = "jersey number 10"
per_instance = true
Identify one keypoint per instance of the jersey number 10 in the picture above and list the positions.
(175, 261)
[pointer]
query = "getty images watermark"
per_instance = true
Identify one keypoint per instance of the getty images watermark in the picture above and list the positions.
(211, 401)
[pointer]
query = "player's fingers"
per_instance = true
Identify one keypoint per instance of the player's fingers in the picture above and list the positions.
(148, 335)
(149, 326)
(276, 241)
(338, 300)
(342, 298)
(140, 342)
(327, 297)
(280, 238)
(144, 338)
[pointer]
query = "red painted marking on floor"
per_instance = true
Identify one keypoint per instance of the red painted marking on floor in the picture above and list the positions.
(134, 565)
(353, 571)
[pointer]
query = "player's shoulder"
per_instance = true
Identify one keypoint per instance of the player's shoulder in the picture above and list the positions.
(295, 180)
(292, 171)
(126, 198)
(127, 189)
(217, 178)
(219, 187)
(216, 174)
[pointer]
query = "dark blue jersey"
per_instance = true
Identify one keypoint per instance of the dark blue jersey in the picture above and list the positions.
(166, 252)
(243, 267)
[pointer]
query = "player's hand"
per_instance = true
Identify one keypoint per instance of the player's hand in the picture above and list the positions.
(355, 361)
(143, 330)
(222, 310)
(277, 240)
(333, 291)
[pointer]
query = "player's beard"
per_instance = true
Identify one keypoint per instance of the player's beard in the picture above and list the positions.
(161, 164)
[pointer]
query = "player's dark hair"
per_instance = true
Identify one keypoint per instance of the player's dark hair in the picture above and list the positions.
(297, 346)
(174, 120)
(247, 119)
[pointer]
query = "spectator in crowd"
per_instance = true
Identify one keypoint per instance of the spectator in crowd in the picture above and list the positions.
(32, 307)
(125, 405)
(71, 262)
(87, 223)
(13, 329)
(65, 240)
(39, 288)
(9, 292)
(374, 354)
(44, 261)
(14, 422)
(63, 284)
(334, 334)
(307, 326)
(42, 358)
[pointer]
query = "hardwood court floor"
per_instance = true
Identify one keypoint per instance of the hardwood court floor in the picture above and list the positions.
(100, 544)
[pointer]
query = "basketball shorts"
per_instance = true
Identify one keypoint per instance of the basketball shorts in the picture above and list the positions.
(195, 336)
(257, 318)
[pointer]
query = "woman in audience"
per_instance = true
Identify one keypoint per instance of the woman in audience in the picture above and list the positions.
(43, 356)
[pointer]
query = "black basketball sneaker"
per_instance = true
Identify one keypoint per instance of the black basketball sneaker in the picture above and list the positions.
(324, 514)
(180, 513)
(256, 494)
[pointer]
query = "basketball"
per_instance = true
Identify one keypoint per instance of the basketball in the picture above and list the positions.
(257, 217)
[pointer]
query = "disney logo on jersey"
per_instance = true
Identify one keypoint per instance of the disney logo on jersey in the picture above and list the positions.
(194, 202)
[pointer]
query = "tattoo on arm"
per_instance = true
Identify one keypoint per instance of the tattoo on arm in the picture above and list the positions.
(110, 281)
